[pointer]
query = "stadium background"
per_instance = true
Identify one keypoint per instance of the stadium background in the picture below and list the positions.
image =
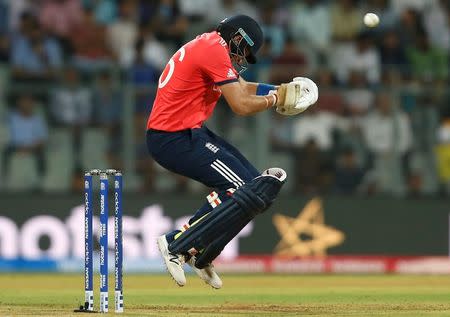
(368, 166)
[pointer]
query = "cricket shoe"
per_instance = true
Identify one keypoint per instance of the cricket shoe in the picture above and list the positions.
(174, 262)
(207, 274)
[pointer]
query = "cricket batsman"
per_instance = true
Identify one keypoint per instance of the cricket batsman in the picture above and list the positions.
(190, 85)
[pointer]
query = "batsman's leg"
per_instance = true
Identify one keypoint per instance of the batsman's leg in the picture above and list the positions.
(229, 218)
(207, 159)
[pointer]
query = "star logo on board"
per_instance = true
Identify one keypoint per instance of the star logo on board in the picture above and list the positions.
(306, 234)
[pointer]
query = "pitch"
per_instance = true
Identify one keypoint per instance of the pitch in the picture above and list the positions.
(242, 295)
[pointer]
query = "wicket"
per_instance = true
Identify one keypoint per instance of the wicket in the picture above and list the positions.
(103, 240)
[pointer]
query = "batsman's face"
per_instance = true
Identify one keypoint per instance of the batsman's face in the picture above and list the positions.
(238, 59)
(237, 42)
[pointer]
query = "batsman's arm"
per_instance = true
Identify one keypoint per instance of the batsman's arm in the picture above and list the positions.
(243, 102)
(291, 99)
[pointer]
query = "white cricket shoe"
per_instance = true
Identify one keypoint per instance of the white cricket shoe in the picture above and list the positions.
(174, 262)
(207, 274)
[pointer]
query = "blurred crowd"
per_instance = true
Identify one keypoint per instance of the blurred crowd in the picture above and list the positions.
(381, 125)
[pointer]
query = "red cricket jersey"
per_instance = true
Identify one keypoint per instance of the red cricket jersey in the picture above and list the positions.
(188, 88)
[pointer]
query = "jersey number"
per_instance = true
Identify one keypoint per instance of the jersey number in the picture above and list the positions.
(171, 64)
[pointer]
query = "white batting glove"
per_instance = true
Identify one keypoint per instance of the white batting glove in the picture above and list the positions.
(309, 93)
(296, 96)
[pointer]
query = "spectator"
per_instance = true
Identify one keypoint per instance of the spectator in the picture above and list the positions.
(195, 10)
(60, 17)
(144, 77)
(142, 73)
(91, 52)
(153, 52)
(34, 56)
(221, 9)
(25, 25)
(387, 131)
(427, 62)
(310, 24)
(316, 126)
(282, 14)
(172, 25)
(409, 25)
(425, 126)
(358, 97)
(437, 24)
(108, 101)
(28, 134)
(349, 173)
(416, 5)
(281, 133)
(16, 10)
(71, 103)
(360, 56)
(425, 120)
(392, 53)
(289, 64)
(272, 31)
(313, 169)
(346, 20)
(261, 71)
(358, 100)
(330, 99)
(123, 33)
(148, 10)
(105, 11)
(71, 108)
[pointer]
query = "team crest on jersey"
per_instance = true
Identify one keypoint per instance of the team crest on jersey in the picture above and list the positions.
(211, 147)
(231, 73)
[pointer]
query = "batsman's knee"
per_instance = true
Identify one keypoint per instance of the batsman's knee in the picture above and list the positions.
(257, 195)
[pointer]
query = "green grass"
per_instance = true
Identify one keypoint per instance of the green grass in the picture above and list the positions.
(242, 295)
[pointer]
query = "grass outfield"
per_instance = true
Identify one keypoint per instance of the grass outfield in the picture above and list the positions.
(242, 295)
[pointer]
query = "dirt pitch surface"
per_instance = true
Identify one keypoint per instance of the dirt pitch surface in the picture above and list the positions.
(242, 295)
